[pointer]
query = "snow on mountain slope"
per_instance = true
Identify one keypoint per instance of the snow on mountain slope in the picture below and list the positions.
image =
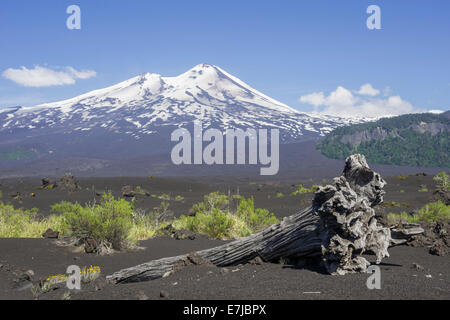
(141, 105)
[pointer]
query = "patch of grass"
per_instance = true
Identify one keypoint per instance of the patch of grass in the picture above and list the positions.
(394, 204)
(402, 177)
(301, 189)
(432, 212)
(279, 195)
(20, 223)
(163, 196)
(214, 218)
(145, 225)
(423, 188)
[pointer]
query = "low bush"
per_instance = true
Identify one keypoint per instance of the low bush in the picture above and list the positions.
(442, 181)
(108, 222)
(214, 218)
(431, 212)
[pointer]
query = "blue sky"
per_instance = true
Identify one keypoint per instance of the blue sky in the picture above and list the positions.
(286, 49)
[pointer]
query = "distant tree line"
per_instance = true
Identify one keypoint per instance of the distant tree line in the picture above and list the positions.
(406, 147)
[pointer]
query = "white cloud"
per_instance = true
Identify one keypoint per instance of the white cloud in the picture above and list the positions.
(368, 90)
(45, 77)
(316, 99)
(342, 102)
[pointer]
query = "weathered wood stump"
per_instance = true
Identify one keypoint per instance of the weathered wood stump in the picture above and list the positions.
(338, 227)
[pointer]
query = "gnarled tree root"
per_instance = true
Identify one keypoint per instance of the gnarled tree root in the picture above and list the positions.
(338, 227)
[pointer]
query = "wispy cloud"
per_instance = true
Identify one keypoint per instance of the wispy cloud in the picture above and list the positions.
(45, 77)
(365, 102)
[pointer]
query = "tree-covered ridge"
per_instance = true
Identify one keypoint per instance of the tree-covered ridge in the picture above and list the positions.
(401, 144)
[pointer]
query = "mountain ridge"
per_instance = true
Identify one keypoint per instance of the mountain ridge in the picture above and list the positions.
(412, 139)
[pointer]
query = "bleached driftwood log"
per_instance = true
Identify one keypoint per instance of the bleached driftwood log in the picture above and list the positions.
(338, 227)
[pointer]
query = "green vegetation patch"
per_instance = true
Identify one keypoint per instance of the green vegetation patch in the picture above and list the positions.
(432, 212)
(301, 189)
(19, 223)
(442, 181)
(215, 218)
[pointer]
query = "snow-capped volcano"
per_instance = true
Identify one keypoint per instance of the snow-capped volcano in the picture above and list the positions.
(195, 87)
(138, 106)
(135, 117)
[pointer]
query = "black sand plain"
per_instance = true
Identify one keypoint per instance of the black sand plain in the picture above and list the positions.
(410, 272)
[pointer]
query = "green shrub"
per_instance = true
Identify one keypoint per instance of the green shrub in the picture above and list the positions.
(213, 217)
(431, 212)
(256, 219)
(442, 180)
(210, 201)
(108, 222)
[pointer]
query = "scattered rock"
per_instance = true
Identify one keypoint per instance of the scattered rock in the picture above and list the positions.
(90, 245)
(69, 183)
(47, 183)
(50, 234)
(163, 294)
(183, 234)
(128, 192)
(438, 248)
(418, 266)
(25, 276)
(256, 261)
(99, 193)
(98, 286)
(178, 234)
(15, 195)
(436, 236)
(443, 195)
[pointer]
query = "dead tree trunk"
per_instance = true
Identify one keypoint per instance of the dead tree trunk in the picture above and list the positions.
(338, 227)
